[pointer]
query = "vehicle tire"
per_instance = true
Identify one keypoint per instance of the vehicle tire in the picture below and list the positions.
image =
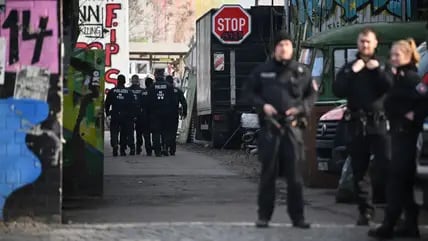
(218, 139)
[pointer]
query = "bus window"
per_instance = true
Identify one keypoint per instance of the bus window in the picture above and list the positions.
(306, 56)
(318, 67)
(343, 56)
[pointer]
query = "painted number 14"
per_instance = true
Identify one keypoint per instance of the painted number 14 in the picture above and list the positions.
(12, 23)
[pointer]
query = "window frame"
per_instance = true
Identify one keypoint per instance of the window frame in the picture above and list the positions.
(345, 48)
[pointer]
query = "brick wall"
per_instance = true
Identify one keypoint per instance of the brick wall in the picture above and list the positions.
(30, 133)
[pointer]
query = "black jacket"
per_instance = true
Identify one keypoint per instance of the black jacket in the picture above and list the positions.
(404, 97)
(364, 90)
(137, 107)
(118, 103)
(160, 98)
(283, 86)
(179, 99)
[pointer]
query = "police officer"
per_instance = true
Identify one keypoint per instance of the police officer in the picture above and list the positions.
(117, 107)
(179, 99)
(364, 83)
(146, 118)
(137, 114)
(161, 98)
(406, 119)
(283, 93)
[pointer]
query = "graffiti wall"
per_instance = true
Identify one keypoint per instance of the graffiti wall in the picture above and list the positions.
(83, 124)
(104, 25)
(327, 14)
(30, 109)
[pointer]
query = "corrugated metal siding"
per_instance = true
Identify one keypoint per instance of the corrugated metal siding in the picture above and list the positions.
(203, 72)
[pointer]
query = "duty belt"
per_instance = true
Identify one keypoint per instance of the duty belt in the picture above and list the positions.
(364, 117)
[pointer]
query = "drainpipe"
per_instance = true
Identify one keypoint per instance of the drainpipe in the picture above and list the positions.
(286, 20)
(403, 10)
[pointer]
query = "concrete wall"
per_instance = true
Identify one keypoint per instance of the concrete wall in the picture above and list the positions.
(30, 110)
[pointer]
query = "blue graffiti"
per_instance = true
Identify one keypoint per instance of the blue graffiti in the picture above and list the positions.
(307, 9)
(18, 165)
(351, 7)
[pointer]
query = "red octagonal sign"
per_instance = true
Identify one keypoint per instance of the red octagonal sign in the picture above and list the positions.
(231, 24)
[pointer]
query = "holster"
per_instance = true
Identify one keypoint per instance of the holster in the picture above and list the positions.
(366, 123)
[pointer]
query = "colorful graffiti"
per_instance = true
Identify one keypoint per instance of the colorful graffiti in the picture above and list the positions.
(83, 123)
(327, 14)
(25, 44)
(19, 166)
(31, 105)
(104, 25)
(351, 8)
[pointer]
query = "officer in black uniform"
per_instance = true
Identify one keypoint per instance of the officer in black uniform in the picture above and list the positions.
(117, 106)
(179, 99)
(137, 115)
(283, 93)
(161, 100)
(145, 123)
(364, 82)
(403, 108)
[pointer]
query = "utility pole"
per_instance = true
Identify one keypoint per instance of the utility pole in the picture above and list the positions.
(403, 10)
(286, 19)
(257, 3)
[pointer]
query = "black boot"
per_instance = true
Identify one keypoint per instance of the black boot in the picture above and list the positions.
(132, 152)
(139, 150)
(409, 228)
(262, 223)
(365, 218)
(149, 153)
(115, 151)
(382, 232)
(122, 152)
(301, 224)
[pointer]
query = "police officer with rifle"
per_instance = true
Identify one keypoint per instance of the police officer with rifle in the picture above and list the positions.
(283, 93)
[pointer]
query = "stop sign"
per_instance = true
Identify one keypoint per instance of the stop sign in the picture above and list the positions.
(231, 24)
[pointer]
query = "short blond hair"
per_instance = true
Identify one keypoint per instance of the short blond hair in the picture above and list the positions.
(408, 46)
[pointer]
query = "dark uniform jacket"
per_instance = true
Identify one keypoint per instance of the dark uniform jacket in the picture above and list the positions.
(118, 103)
(364, 90)
(137, 103)
(180, 99)
(283, 86)
(160, 97)
(406, 96)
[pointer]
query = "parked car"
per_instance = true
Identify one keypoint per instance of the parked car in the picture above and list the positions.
(331, 136)
(422, 163)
